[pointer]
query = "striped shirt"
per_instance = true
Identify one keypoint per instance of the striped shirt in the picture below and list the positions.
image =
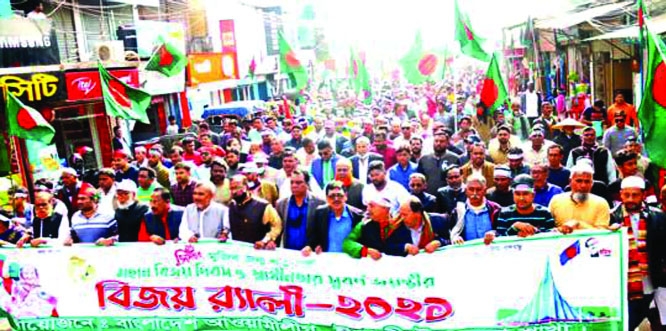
(89, 230)
(540, 218)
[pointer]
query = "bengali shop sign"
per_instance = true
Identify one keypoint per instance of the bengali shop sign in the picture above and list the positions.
(569, 282)
(35, 87)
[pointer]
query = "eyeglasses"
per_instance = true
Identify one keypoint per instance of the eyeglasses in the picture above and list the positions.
(336, 195)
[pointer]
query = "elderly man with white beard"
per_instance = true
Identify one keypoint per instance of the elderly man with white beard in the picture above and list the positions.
(130, 213)
(580, 209)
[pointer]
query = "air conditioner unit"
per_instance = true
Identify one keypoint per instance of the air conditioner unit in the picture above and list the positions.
(109, 51)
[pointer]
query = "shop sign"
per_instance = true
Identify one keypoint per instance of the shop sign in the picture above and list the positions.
(211, 67)
(85, 85)
(35, 87)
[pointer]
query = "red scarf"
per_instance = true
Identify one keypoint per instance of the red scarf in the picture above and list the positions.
(346, 181)
(638, 258)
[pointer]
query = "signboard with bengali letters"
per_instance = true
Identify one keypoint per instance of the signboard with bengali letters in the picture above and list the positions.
(540, 283)
(36, 87)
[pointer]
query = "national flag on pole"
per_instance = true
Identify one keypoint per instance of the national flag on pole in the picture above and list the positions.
(570, 252)
(470, 43)
(290, 65)
(652, 110)
(26, 122)
(493, 92)
(122, 100)
(418, 65)
(360, 80)
(167, 60)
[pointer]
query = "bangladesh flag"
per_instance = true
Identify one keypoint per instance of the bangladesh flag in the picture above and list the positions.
(168, 60)
(360, 80)
(493, 92)
(290, 65)
(652, 111)
(417, 65)
(26, 122)
(122, 100)
(470, 43)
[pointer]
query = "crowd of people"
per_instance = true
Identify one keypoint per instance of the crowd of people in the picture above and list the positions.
(421, 168)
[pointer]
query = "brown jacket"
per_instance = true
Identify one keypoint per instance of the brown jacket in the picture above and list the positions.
(488, 171)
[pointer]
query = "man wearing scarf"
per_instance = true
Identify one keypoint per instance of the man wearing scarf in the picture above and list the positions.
(647, 248)
(352, 186)
(130, 213)
(368, 238)
(604, 169)
(416, 230)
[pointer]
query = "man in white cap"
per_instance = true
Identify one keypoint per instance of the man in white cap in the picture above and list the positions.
(130, 213)
(516, 165)
(536, 150)
(580, 209)
(368, 237)
(647, 248)
(501, 193)
(338, 142)
(264, 189)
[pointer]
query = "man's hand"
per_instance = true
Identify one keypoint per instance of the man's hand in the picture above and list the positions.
(193, 239)
(224, 236)
(568, 227)
(374, 254)
(104, 242)
(432, 246)
(489, 237)
(411, 249)
(615, 226)
(37, 242)
(270, 245)
(306, 251)
(157, 240)
(318, 250)
(458, 240)
(68, 242)
(22, 241)
(524, 229)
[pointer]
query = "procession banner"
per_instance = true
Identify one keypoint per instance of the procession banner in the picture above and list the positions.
(573, 282)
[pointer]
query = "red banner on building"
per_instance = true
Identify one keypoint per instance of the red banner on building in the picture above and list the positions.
(85, 85)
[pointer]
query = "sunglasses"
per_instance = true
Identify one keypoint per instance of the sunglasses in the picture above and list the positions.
(336, 195)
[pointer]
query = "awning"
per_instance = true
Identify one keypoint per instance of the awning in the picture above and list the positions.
(571, 19)
(656, 25)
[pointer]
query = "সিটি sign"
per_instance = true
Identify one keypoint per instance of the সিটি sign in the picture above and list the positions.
(33, 87)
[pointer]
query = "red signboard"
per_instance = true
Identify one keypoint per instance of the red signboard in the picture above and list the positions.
(228, 36)
(85, 85)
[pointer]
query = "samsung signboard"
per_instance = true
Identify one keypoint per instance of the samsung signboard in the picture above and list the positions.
(26, 42)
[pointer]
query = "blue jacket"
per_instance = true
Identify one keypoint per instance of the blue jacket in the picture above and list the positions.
(155, 227)
(317, 169)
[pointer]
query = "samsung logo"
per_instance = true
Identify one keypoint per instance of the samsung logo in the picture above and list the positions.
(24, 42)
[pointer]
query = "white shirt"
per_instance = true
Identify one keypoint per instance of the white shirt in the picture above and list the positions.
(393, 191)
(172, 129)
(416, 234)
(194, 219)
(531, 104)
(363, 162)
(107, 201)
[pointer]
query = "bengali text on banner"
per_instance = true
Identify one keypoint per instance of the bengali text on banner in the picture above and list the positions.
(576, 281)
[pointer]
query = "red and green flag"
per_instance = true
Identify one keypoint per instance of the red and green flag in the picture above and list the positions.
(652, 111)
(470, 42)
(122, 100)
(418, 65)
(167, 60)
(360, 80)
(493, 92)
(26, 122)
(290, 65)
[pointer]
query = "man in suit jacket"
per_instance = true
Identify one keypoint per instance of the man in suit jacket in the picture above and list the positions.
(162, 222)
(323, 167)
(338, 142)
(416, 230)
(352, 186)
(478, 163)
(297, 212)
(361, 160)
(335, 221)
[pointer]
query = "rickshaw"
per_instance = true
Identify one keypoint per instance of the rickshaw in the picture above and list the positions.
(239, 110)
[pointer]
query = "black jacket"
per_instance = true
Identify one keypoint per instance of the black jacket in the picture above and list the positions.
(655, 241)
(318, 234)
(447, 199)
(129, 221)
(401, 236)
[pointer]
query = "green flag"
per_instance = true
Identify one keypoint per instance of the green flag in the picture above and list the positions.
(290, 65)
(26, 122)
(652, 111)
(122, 100)
(168, 60)
(360, 80)
(493, 92)
(418, 65)
(470, 43)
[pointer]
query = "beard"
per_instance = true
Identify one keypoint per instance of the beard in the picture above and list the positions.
(581, 197)
(126, 205)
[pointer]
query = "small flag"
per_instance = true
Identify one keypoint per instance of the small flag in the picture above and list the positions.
(290, 65)
(168, 60)
(26, 122)
(570, 252)
(122, 100)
